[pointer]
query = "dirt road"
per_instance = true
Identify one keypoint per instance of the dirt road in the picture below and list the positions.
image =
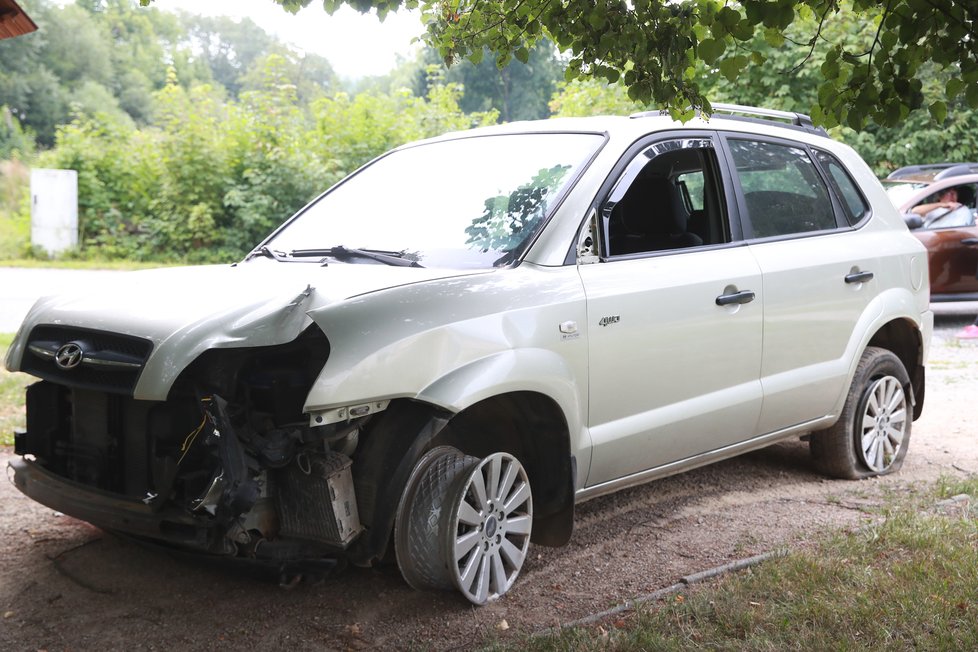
(66, 585)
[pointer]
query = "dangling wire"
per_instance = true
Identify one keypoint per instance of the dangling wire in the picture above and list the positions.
(189, 439)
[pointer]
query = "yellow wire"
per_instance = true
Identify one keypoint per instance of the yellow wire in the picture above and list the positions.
(189, 440)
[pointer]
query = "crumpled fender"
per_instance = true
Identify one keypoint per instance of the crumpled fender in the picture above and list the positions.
(454, 342)
(514, 370)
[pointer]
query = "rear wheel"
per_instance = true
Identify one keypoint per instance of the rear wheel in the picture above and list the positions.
(872, 434)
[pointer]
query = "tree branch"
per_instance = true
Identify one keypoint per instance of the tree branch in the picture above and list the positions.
(876, 39)
(813, 41)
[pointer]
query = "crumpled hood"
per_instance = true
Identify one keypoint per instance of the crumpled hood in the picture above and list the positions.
(186, 310)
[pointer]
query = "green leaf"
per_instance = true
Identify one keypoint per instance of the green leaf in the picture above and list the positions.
(953, 87)
(971, 95)
(888, 40)
(728, 17)
(608, 73)
(710, 50)
(743, 30)
(596, 19)
(773, 37)
(730, 69)
(938, 111)
(830, 70)
(522, 55)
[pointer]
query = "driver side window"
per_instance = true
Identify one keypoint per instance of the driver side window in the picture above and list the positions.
(667, 199)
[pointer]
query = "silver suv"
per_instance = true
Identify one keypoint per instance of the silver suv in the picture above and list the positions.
(444, 353)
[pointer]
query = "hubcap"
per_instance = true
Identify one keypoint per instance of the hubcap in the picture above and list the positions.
(884, 424)
(490, 529)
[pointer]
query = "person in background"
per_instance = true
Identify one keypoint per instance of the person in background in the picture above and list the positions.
(946, 201)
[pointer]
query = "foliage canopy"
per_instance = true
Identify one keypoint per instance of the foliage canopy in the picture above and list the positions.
(662, 50)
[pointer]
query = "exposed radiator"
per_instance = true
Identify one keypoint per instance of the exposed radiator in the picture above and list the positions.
(316, 500)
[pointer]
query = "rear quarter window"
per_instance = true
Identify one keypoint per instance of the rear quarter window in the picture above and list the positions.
(854, 205)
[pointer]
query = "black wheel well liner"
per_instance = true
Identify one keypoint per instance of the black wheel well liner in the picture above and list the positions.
(531, 427)
(903, 338)
(527, 425)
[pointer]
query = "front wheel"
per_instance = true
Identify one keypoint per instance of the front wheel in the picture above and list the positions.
(464, 523)
(489, 528)
(872, 434)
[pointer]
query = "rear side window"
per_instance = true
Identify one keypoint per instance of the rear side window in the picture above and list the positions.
(853, 204)
(782, 189)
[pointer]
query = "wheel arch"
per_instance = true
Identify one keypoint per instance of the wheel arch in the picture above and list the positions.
(526, 424)
(530, 426)
(903, 338)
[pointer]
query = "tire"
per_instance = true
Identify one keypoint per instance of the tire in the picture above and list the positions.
(872, 434)
(489, 523)
(464, 523)
(419, 519)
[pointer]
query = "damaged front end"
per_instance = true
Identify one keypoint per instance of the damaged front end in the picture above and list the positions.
(228, 464)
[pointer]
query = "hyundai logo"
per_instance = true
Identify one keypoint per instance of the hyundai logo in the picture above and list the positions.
(69, 355)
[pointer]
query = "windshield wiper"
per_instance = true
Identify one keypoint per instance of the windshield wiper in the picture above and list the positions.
(346, 253)
(267, 253)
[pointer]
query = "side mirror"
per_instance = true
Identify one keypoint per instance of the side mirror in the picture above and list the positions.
(913, 221)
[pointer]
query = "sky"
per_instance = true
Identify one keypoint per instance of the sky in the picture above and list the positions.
(355, 44)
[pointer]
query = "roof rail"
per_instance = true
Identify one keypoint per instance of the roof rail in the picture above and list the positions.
(753, 113)
(946, 170)
(792, 118)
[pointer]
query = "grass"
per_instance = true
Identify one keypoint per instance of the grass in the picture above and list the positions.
(81, 264)
(908, 583)
(11, 396)
(15, 225)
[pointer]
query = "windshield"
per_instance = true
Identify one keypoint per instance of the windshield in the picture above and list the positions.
(900, 191)
(466, 203)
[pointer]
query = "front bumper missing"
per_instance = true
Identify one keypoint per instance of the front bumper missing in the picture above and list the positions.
(105, 510)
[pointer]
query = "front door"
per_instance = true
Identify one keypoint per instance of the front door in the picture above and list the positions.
(674, 316)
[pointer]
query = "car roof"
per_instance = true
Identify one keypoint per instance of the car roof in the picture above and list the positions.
(729, 117)
(932, 185)
(933, 171)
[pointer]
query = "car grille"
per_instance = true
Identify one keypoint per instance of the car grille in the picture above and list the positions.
(90, 359)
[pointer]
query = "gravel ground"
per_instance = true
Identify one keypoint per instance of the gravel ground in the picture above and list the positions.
(67, 585)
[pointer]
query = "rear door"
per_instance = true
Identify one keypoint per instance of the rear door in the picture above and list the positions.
(818, 271)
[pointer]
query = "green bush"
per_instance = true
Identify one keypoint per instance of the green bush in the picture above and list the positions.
(209, 178)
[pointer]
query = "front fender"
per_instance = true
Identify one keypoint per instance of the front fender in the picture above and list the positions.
(431, 342)
(517, 370)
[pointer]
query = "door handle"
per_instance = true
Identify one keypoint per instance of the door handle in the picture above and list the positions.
(970, 242)
(745, 296)
(859, 277)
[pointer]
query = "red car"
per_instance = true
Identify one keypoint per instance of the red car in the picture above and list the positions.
(949, 233)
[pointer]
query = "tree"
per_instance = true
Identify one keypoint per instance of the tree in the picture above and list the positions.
(519, 91)
(662, 48)
(228, 47)
(781, 84)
